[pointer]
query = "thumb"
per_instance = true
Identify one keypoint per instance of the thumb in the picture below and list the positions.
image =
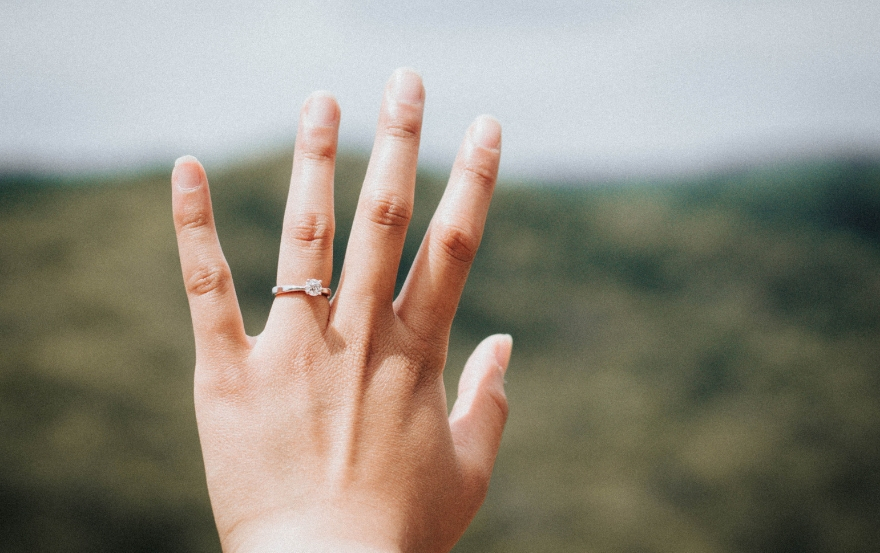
(479, 413)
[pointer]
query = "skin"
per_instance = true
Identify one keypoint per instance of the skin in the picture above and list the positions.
(329, 431)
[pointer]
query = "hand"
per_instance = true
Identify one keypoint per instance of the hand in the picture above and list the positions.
(329, 431)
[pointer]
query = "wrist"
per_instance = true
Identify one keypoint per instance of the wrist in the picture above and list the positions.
(299, 537)
(293, 544)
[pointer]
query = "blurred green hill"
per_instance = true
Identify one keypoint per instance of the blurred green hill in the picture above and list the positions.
(696, 364)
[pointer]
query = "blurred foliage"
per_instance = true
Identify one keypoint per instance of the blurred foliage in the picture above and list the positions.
(696, 364)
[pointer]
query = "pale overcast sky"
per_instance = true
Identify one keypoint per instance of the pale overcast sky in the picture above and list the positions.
(581, 86)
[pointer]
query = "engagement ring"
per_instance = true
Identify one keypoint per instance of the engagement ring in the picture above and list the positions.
(312, 287)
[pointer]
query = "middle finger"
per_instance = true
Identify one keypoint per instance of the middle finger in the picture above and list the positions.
(386, 201)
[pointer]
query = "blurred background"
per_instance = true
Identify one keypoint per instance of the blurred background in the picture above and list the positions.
(697, 182)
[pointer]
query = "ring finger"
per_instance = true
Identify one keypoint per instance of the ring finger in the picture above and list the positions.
(307, 234)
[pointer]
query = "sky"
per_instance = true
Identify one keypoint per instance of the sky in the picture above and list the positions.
(581, 87)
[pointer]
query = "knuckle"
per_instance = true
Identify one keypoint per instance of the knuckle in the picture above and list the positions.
(361, 351)
(424, 341)
(389, 210)
(417, 372)
(458, 243)
(404, 127)
(426, 355)
(480, 172)
(499, 400)
(208, 279)
(319, 149)
(313, 230)
(193, 220)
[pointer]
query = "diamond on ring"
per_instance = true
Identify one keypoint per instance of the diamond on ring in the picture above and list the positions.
(313, 287)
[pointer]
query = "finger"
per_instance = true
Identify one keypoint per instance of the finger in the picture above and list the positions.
(217, 322)
(480, 411)
(385, 205)
(433, 287)
(307, 234)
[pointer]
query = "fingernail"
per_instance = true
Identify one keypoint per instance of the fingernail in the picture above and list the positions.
(183, 159)
(486, 132)
(187, 174)
(503, 348)
(321, 110)
(406, 86)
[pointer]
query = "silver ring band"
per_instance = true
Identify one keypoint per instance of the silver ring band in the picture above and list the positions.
(312, 287)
